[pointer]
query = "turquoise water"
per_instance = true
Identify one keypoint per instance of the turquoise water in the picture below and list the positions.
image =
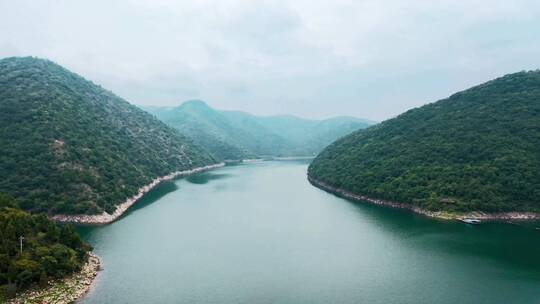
(260, 233)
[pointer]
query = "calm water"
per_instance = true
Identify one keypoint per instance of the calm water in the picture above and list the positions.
(260, 233)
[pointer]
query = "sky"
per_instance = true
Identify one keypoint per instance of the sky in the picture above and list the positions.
(315, 59)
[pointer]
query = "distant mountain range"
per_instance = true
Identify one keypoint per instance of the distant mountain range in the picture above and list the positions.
(69, 146)
(232, 135)
(478, 150)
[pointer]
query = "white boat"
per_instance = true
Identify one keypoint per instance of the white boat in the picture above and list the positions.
(470, 221)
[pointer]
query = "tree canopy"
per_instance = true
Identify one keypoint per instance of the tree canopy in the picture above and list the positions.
(49, 250)
(69, 146)
(232, 135)
(479, 149)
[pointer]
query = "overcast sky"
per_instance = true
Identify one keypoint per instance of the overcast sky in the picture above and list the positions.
(371, 59)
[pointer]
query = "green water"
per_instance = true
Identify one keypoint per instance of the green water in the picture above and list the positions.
(260, 233)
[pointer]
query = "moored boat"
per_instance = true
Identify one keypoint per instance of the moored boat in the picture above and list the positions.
(470, 221)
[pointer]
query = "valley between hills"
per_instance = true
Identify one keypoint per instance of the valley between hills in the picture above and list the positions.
(74, 152)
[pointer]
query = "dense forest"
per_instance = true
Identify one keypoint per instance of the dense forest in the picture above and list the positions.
(476, 150)
(69, 146)
(231, 135)
(49, 250)
(206, 127)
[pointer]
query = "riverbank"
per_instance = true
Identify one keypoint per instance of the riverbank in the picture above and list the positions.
(65, 290)
(269, 158)
(106, 218)
(479, 215)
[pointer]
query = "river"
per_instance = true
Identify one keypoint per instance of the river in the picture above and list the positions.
(260, 233)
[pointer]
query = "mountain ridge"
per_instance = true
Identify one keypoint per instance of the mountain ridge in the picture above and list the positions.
(69, 146)
(238, 134)
(477, 150)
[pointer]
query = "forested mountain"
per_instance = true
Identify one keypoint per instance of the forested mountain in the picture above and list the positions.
(207, 127)
(49, 250)
(69, 146)
(239, 135)
(476, 150)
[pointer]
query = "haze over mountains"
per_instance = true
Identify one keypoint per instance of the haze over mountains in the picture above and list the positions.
(220, 151)
(69, 146)
(479, 149)
(233, 135)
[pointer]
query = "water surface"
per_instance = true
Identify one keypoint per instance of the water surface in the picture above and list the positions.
(260, 233)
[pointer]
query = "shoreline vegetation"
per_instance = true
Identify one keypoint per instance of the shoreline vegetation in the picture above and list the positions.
(106, 218)
(63, 291)
(75, 286)
(445, 215)
(83, 150)
(476, 150)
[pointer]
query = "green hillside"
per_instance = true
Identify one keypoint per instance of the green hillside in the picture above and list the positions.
(207, 127)
(476, 150)
(309, 136)
(69, 146)
(231, 135)
(49, 250)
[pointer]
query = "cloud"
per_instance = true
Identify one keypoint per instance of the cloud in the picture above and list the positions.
(373, 59)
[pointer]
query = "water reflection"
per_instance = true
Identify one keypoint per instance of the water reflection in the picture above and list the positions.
(268, 236)
(516, 244)
(206, 177)
(154, 195)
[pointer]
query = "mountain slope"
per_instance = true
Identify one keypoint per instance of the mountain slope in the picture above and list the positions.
(239, 135)
(311, 136)
(51, 251)
(207, 127)
(258, 138)
(69, 146)
(477, 150)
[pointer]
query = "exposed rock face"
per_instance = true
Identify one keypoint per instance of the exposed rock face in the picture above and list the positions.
(63, 291)
(485, 216)
(106, 218)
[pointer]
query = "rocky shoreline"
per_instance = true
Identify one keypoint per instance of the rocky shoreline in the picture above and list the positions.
(479, 215)
(106, 218)
(63, 291)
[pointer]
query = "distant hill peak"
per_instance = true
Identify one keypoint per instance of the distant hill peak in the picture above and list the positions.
(26, 60)
(201, 104)
(232, 135)
(195, 103)
(67, 146)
